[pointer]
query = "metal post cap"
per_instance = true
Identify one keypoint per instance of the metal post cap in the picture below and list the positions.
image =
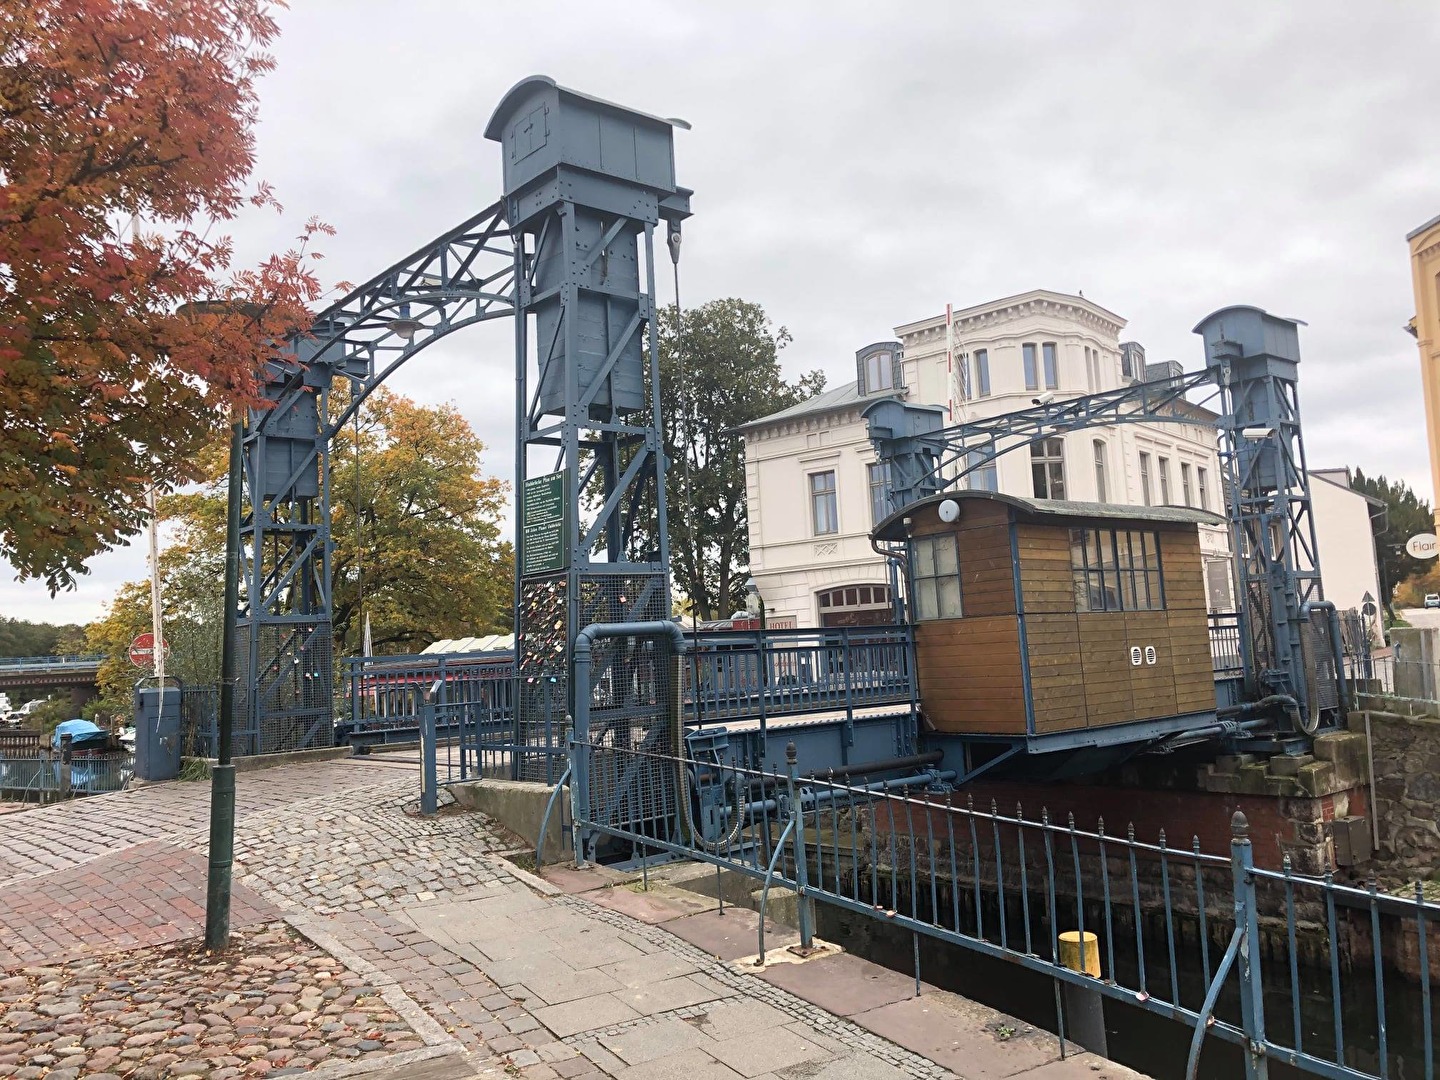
(790, 753)
(1239, 826)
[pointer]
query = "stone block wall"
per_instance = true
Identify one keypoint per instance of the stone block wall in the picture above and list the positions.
(1407, 783)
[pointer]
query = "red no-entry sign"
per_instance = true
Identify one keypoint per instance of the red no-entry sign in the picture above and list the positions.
(142, 650)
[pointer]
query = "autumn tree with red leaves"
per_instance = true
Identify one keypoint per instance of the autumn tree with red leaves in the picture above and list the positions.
(126, 135)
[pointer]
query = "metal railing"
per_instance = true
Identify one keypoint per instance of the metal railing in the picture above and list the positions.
(1226, 653)
(380, 696)
(46, 775)
(469, 740)
(50, 662)
(745, 674)
(1279, 964)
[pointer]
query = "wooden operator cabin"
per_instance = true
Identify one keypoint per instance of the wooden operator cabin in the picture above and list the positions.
(1034, 617)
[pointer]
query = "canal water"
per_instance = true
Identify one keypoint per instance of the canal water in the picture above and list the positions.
(1153, 1044)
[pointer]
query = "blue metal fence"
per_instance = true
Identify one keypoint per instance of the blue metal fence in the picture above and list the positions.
(45, 775)
(1005, 885)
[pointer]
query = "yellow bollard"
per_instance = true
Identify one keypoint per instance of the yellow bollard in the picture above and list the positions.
(1084, 1007)
(1078, 956)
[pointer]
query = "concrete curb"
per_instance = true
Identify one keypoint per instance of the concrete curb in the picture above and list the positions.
(335, 1069)
(501, 861)
(431, 1033)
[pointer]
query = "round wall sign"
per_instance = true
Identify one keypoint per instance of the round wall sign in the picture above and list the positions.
(1421, 546)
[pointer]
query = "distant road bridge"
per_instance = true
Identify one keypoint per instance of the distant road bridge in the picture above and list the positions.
(47, 674)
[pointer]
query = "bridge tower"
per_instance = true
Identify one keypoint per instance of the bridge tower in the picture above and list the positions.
(1289, 632)
(587, 183)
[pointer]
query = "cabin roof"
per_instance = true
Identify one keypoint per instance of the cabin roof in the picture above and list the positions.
(893, 527)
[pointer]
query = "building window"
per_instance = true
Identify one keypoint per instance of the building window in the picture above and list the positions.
(1052, 372)
(1102, 486)
(1164, 481)
(855, 605)
(935, 571)
(982, 477)
(1116, 570)
(1032, 372)
(879, 477)
(1047, 468)
(1145, 479)
(1204, 481)
(982, 373)
(1185, 487)
(824, 515)
(877, 372)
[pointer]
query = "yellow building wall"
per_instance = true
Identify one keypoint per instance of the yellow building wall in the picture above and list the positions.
(1425, 270)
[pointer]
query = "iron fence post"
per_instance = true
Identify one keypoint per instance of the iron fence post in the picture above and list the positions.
(804, 904)
(580, 750)
(66, 752)
(428, 799)
(1247, 922)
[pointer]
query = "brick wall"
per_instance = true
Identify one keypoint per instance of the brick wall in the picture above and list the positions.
(1277, 824)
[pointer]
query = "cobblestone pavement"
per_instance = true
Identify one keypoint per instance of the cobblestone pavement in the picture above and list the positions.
(362, 849)
(45, 839)
(278, 1005)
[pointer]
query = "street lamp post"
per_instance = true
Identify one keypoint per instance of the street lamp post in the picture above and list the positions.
(222, 776)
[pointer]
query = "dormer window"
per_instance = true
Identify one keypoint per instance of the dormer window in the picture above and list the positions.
(877, 367)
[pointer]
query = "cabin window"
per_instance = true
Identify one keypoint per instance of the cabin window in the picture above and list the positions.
(1116, 570)
(935, 571)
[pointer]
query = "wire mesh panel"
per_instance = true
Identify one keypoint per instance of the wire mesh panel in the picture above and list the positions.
(542, 654)
(1322, 680)
(293, 702)
(633, 701)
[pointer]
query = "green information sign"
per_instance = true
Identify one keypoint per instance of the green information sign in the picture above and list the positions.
(544, 537)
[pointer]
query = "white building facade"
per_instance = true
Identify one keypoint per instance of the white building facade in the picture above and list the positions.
(814, 487)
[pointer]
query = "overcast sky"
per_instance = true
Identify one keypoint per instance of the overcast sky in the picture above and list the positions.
(858, 165)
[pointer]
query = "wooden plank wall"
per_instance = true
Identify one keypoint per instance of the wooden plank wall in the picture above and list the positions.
(1080, 670)
(971, 679)
(970, 674)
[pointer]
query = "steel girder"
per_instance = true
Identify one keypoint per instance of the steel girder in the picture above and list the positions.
(1253, 358)
(461, 278)
(926, 458)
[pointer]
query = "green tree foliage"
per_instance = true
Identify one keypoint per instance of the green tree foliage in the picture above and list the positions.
(21, 638)
(1406, 515)
(719, 368)
(428, 550)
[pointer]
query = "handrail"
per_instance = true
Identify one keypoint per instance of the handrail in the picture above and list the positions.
(1207, 1010)
(78, 660)
(765, 888)
(545, 820)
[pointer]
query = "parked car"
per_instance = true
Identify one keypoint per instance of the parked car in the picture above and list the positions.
(1432, 600)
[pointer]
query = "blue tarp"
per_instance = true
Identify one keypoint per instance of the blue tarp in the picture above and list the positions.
(81, 732)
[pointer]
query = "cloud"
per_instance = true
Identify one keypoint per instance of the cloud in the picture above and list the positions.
(858, 165)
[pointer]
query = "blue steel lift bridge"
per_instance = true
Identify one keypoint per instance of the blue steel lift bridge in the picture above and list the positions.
(676, 741)
(570, 254)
